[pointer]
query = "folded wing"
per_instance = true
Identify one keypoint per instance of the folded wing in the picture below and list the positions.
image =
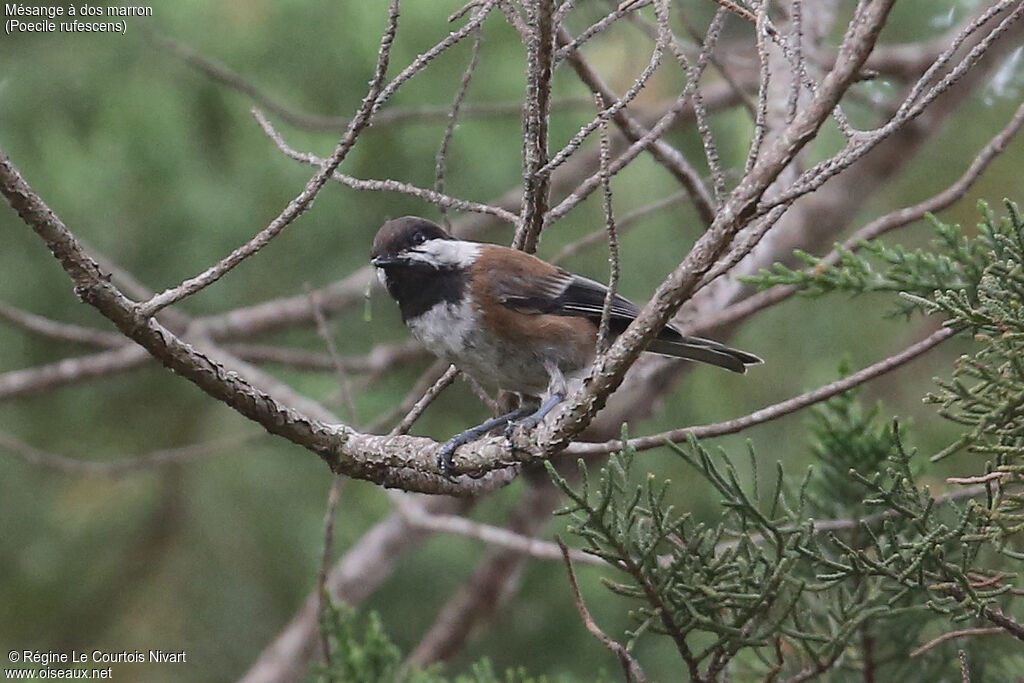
(562, 293)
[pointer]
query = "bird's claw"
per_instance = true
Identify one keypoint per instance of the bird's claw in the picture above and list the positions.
(444, 459)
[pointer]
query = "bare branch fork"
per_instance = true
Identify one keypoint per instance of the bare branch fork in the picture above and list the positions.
(302, 202)
(669, 157)
(884, 224)
(913, 105)
(730, 218)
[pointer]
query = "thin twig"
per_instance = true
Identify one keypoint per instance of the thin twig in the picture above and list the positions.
(736, 9)
(991, 476)
(613, 240)
(382, 357)
(441, 161)
(679, 48)
(572, 46)
(668, 156)
(425, 400)
(16, 383)
(952, 635)
(481, 393)
(965, 672)
(165, 457)
(796, 35)
(325, 563)
(324, 332)
(390, 418)
(563, 11)
(317, 122)
(761, 118)
(915, 97)
(623, 226)
(46, 327)
(911, 108)
(644, 141)
(489, 534)
(388, 185)
(694, 73)
(422, 60)
(746, 242)
(630, 667)
(608, 111)
(226, 76)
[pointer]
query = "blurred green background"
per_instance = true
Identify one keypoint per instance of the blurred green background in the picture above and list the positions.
(165, 171)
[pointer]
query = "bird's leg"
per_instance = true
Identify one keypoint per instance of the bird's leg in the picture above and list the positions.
(444, 456)
(531, 421)
(557, 391)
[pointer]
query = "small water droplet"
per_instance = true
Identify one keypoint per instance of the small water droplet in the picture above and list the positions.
(943, 20)
(1009, 79)
(879, 91)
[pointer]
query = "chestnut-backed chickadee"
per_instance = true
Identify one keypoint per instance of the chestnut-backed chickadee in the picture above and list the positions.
(508, 318)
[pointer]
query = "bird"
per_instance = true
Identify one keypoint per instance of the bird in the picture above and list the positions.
(510, 319)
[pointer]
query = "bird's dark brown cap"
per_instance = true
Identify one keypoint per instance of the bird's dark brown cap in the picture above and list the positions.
(399, 234)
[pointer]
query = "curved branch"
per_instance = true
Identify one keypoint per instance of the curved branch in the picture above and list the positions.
(43, 326)
(43, 377)
(120, 467)
(409, 465)
(771, 412)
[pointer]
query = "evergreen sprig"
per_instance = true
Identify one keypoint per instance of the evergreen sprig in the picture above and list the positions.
(986, 391)
(956, 263)
(766, 589)
(366, 654)
(712, 600)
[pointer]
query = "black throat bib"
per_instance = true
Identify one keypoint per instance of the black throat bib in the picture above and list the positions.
(418, 287)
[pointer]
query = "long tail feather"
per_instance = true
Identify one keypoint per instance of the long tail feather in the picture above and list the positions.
(705, 351)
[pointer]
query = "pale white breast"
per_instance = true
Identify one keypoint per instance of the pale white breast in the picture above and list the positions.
(447, 329)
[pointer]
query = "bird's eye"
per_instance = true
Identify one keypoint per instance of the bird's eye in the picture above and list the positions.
(419, 238)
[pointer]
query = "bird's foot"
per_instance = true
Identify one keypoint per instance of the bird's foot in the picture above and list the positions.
(445, 455)
(530, 422)
(447, 452)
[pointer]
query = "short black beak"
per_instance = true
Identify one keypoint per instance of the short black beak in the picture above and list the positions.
(383, 261)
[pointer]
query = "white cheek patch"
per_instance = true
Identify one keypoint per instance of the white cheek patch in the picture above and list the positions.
(382, 276)
(443, 253)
